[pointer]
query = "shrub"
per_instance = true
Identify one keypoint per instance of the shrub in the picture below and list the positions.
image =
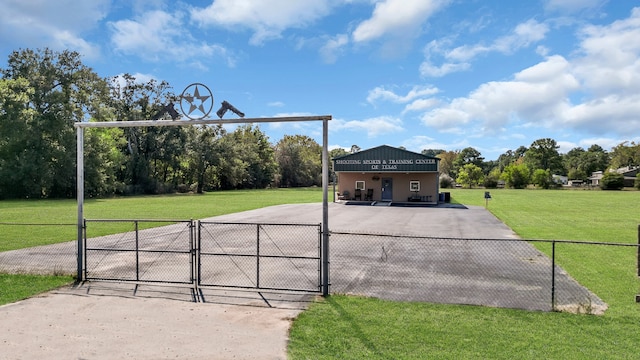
(612, 181)
(446, 181)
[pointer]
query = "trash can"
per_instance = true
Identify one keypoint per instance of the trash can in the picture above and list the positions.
(441, 197)
(447, 197)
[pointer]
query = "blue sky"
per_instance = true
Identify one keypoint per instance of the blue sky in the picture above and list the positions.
(445, 74)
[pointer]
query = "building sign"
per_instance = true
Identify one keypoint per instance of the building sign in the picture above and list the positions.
(386, 158)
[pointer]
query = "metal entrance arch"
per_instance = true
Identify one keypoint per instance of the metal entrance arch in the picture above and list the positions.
(80, 126)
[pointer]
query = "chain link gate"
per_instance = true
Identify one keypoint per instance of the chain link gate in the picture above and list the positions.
(205, 254)
(260, 256)
(155, 251)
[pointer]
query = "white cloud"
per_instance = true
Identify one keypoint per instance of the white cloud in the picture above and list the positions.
(159, 35)
(333, 47)
(380, 93)
(597, 91)
(396, 17)
(373, 127)
(421, 105)
(58, 25)
(538, 93)
(459, 58)
(266, 18)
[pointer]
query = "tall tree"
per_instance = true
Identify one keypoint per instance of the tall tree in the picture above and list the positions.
(431, 152)
(152, 152)
(446, 162)
(543, 154)
(254, 154)
(625, 154)
(203, 153)
(300, 161)
(470, 175)
(60, 90)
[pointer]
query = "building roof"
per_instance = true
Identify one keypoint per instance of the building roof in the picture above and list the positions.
(385, 158)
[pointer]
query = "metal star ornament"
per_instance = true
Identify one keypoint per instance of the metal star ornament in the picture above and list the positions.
(199, 105)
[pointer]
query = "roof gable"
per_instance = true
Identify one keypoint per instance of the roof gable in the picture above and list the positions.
(386, 158)
(385, 150)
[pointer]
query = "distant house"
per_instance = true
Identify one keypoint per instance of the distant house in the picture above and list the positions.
(560, 179)
(629, 173)
(576, 182)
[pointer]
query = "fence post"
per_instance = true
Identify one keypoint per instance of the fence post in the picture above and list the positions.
(137, 253)
(325, 208)
(80, 200)
(258, 256)
(553, 275)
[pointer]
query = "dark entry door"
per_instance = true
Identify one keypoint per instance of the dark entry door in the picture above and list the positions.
(387, 189)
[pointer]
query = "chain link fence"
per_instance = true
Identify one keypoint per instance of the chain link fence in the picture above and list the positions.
(510, 273)
(260, 256)
(38, 248)
(141, 250)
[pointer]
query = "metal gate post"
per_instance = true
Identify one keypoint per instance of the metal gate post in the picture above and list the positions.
(553, 275)
(80, 199)
(257, 256)
(192, 252)
(325, 207)
(198, 253)
(137, 253)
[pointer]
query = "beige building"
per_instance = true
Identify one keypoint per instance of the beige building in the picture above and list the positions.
(387, 174)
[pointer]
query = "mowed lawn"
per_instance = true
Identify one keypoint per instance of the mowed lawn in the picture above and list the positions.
(354, 328)
(349, 327)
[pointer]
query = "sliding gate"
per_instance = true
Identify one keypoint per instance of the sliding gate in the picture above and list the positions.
(205, 254)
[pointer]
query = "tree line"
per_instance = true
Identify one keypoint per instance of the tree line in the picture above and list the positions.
(44, 92)
(535, 165)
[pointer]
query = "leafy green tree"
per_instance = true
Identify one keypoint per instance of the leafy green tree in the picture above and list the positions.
(203, 153)
(431, 152)
(543, 154)
(334, 153)
(612, 181)
(300, 161)
(246, 159)
(39, 146)
(152, 153)
(516, 175)
(542, 178)
(625, 154)
(580, 164)
(470, 175)
(446, 162)
(15, 117)
(491, 179)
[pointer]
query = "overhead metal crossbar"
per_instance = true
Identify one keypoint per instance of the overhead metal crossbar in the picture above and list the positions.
(80, 126)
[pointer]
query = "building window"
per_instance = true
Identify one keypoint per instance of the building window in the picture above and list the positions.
(414, 185)
(360, 185)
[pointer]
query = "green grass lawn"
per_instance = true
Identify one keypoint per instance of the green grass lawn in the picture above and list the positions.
(170, 207)
(349, 327)
(17, 287)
